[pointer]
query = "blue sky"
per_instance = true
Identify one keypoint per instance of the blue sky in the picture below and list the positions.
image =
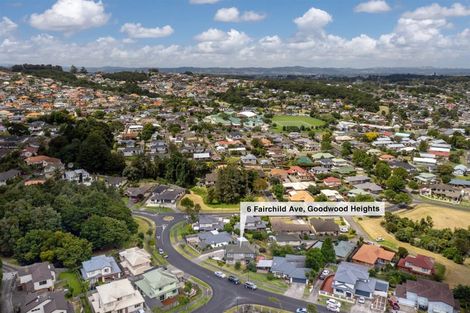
(354, 33)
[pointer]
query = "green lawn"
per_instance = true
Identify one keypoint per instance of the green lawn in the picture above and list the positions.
(296, 120)
(72, 282)
(158, 209)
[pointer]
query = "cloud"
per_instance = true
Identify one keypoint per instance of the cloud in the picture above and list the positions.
(217, 41)
(422, 37)
(136, 30)
(7, 26)
(233, 15)
(203, 1)
(71, 16)
(313, 19)
(434, 11)
(373, 6)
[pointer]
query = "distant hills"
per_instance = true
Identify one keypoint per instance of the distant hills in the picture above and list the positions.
(297, 70)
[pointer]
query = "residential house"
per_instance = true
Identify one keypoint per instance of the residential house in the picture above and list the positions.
(372, 255)
(290, 267)
(443, 192)
(37, 277)
(249, 159)
(8, 175)
(370, 187)
(243, 253)
(300, 196)
(163, 194)
(352, 280)
(460, 170)
(79, 176)
(135, 260)
(253, 223)
(100, 268)
(290, 225)
(208, 223)
(355, 180)
(118, 296)
(53, 302)
(286, 239)
(419, 264)
(332, 195)
(427, 295)
(343, 249)
(213, 239)
(158, 284)
(323, 227)
(115, 181)
(332, 182)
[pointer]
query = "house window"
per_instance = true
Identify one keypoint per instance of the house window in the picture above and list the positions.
(162, 297)
(44, 282)
(137, 305)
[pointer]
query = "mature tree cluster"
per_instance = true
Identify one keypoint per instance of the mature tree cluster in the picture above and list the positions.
(87, 143)
(454, 245)
(233, 184)
(77, 216)
(325, 90)
(175, 169)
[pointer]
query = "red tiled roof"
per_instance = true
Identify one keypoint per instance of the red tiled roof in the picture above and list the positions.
(421, 261)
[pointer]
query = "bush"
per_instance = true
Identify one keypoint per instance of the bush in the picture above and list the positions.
(270, 276)
(251, 266)
(238, 265)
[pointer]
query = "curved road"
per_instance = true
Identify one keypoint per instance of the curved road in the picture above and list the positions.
(225, 294)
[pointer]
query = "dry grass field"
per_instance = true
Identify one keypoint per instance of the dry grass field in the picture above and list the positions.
(442, 217)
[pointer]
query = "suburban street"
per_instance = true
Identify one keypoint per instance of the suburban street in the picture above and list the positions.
(225, 294)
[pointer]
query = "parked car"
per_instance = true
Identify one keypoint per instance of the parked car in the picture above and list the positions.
(301, 310)
(250, 285)
(333, 302)
(160, 250)
(324, 274)
(361, 300)
(343, 229)
(332, 308)
(234, 279)
(219, 274)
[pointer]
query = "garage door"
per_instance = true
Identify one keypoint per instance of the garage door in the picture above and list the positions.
(299, 280)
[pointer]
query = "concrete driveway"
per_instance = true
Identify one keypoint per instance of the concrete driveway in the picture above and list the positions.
(296, 290)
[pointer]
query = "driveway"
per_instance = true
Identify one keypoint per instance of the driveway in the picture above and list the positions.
(296, 290)
(8, 285)
(362, 308)
(225, 294)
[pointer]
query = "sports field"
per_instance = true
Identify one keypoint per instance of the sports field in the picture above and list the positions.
(296, 120)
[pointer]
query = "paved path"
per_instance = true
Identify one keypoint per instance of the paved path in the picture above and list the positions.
(225, 294)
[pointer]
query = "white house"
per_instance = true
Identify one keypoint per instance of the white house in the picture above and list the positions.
(135, 260)
(116, 297)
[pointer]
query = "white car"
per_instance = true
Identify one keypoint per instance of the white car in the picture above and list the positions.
(219, 274)
(333, 308)
(301, 310)
(343, 229)
(361, 300)
(333, 302)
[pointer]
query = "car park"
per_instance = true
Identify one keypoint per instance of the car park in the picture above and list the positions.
(220, 274)
(250, 285)
(234, 279)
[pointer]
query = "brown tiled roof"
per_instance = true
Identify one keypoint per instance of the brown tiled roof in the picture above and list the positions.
(370, 253)
(432, 290)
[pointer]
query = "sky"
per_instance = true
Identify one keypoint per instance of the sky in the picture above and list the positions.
(236, 33)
